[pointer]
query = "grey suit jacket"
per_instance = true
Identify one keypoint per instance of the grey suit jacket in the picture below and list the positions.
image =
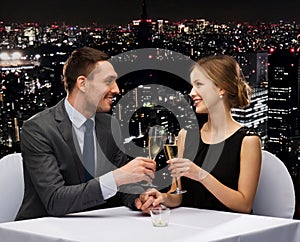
(53, 172)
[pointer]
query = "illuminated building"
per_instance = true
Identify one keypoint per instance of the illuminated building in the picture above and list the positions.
(283, 123)
(255, 70)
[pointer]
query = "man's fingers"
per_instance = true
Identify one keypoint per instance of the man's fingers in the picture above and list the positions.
(138, 203)
(150, 165)
(149, 173)
(147, 203)
(147, 178)
(146, 160)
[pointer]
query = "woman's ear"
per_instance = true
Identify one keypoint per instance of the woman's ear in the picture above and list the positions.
(221, 91)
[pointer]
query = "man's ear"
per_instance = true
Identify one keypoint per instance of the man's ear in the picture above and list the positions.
(81, 83)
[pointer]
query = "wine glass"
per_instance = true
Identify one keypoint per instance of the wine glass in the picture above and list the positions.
(156, 136)
(171, 151)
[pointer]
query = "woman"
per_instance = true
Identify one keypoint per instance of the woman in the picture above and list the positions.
(225, 172)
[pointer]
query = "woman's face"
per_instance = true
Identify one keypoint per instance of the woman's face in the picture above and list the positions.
(204, 93)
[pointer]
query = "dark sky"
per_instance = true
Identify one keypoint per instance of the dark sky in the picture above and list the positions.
(123, 11)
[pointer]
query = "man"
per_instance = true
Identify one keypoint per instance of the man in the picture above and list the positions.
(54, 147)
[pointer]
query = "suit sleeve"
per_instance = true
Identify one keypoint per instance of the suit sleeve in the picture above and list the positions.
(50, 168)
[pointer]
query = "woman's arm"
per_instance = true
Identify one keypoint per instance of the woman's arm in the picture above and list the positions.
(240, 200)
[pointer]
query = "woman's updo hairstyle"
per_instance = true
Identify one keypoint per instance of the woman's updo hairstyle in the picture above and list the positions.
(226, 73)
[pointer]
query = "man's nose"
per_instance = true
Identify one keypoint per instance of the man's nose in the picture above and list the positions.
(115, 88)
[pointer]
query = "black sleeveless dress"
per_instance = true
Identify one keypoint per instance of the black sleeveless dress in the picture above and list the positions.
(222, 160)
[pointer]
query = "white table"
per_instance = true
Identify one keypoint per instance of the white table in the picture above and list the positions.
(121, 224)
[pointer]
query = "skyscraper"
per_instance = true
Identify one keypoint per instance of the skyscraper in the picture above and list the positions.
(255, 70)
(284, 87)
(144, 35)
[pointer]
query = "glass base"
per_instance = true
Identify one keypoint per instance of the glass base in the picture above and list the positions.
(149, 185)
(178, 191)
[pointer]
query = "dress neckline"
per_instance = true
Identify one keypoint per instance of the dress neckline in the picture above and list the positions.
(229, 137)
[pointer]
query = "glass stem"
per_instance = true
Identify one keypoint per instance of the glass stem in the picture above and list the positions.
(176, 180)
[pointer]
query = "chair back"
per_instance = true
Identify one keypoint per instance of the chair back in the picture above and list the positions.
(11, 186)
(275, 194)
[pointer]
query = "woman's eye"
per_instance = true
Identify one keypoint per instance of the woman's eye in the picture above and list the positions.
(198, 84)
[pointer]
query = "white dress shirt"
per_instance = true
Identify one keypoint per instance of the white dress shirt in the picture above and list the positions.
(107, 182)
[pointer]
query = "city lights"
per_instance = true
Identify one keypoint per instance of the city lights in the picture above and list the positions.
(268, 53)
(5, 56)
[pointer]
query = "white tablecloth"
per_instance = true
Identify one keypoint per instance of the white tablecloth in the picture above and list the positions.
(121, 224)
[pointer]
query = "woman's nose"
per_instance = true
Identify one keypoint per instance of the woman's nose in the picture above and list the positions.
(192, 93)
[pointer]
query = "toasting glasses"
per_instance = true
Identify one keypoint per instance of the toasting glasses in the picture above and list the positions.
(156, 137)
(174, 148)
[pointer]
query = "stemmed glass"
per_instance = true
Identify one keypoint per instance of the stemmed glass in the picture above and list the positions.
(171, 151)
(156, 137)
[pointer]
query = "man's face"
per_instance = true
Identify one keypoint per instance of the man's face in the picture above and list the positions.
(102, 87)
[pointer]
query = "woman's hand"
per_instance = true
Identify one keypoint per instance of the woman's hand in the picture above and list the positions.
(150, 198)
(185, 167)
(159, 198)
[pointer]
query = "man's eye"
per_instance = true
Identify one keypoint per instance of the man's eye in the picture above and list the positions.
(108, 82)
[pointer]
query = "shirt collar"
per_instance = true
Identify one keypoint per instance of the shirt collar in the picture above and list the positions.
(76, 117)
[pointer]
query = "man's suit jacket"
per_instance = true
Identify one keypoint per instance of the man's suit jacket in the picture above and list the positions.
(53, 172)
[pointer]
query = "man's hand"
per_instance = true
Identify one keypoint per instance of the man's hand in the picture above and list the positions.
(148, 199)
(138, 169)
(144, 203)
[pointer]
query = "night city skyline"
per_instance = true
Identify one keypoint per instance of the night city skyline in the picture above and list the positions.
(122, 12)
(33, 50)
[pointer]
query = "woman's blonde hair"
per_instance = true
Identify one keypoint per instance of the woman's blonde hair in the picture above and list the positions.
(226, 73)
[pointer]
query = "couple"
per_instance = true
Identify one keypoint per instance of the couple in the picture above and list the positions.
(53, 150)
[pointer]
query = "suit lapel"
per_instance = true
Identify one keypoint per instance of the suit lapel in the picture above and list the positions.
(66, 130)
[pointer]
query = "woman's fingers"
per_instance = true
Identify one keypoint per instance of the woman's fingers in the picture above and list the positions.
(179, 166)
